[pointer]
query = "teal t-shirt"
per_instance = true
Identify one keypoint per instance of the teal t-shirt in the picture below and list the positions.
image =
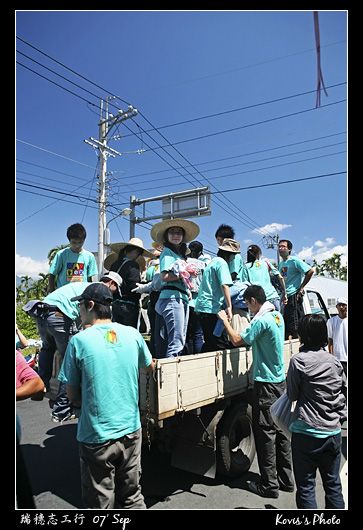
(301, 427)
(105, 360)
(62, 298)
(293, 271)
(150, 271)
(71, 266)
(236, 265)
(266, 335)
(167, 258)
(210, 297)
(259, 274)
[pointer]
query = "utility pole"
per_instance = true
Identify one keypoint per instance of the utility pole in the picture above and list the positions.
(132, 216)
(106, 123)
(272, 242)
(102, 138)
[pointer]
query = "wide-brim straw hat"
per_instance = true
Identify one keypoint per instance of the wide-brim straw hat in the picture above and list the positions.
(191, 229)
(134, 242)
(111, 258)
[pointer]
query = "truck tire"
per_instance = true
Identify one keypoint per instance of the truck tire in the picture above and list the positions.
(235, 442)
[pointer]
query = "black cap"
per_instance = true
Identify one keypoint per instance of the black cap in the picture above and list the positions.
(98, 292)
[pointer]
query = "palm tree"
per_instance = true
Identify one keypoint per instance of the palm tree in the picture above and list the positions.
(53, 251)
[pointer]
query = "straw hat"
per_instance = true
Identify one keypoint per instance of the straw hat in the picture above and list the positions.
(134, 242)
(230, 245)
(111, 258)
(191, 229)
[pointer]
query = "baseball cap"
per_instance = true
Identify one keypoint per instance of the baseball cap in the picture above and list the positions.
(98, 292)
(112, 275)
(342, 300)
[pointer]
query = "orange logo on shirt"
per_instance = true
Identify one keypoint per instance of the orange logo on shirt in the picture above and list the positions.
(277, 320)
(111, 336)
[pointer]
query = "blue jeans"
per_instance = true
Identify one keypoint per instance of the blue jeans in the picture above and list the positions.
(170, 327)
(55, 332)
(308, 455)
(276, 302)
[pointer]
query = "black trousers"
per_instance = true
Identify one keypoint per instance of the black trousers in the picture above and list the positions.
(273, 448)
(125, 313)
(211, 342)
(293, 313)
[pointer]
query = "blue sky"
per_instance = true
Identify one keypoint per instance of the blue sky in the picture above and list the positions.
(176, 66)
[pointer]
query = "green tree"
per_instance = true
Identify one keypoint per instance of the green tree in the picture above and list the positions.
(332, 267)
(53, 251)
(30, 289)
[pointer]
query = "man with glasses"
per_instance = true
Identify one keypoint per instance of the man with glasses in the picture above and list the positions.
(296, 274)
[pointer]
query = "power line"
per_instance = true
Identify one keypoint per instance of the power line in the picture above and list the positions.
(281, 182)
(249, 124)
(239, 209)
(55, 154)
(169, 144)
(49, 169)
(238, 109)
(47, 205)
(254, 170)
(56, 191)
(254, 162)
(56, 84)
(243, 155)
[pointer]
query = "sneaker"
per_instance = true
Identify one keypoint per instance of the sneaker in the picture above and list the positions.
(256, 488)
(60, 419)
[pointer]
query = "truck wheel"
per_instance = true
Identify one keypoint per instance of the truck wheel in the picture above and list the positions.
(235, 441)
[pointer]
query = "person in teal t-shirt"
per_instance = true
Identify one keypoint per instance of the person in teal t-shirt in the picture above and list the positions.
(236, 264)
(296, 274)
(101, 374)
(55, 317)
(214, 293)
(258, 271)
(266, 336)
(172, 309)
(73, 263)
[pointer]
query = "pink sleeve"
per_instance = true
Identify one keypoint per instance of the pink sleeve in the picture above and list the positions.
(23, 371)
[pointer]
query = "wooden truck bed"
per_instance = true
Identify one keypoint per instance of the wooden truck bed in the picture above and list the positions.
(185, 383)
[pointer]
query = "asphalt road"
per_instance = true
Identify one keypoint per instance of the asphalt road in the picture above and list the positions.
(51, 455)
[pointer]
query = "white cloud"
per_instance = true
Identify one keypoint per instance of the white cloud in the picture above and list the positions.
(272, 228)
(26, 266)
(247, 241)
(327, 253)
(306, 253)
(323, 253)
(326, 243)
